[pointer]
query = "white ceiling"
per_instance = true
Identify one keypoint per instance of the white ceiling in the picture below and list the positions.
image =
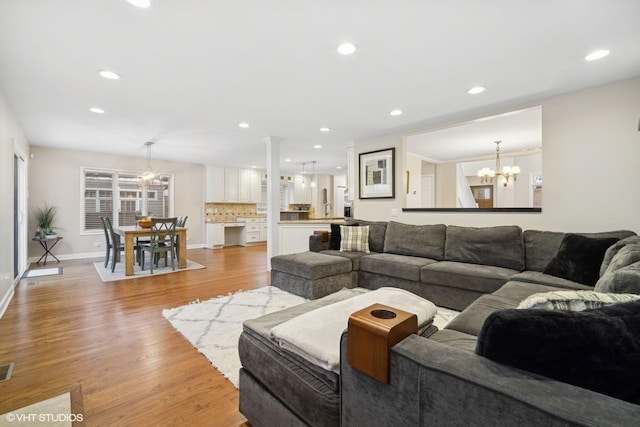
(193, 69)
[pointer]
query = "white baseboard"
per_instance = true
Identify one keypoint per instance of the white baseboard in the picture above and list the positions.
(95, 254)
(6, 299)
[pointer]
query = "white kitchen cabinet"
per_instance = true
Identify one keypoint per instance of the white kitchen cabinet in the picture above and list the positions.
(230, 185)
(249, 186)
(263, 229)
(214, 237)
(251, 232)
(214, 184)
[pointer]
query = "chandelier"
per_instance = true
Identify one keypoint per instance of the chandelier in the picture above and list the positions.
(487, 174)
(149, 173)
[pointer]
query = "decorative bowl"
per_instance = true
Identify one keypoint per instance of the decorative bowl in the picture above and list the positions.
(144, 223)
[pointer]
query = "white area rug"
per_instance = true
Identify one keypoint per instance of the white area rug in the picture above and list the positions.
(213, 327)
(107, 276)
(51, 412)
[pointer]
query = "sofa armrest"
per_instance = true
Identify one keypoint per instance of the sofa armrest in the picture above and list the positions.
(435, 384)
(316, 244)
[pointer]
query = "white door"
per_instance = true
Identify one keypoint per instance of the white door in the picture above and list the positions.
(428, 193)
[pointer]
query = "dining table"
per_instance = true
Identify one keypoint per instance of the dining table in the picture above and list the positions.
(130, 232)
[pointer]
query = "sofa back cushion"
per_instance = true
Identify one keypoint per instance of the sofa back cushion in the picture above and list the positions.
(425, 241)
(500, 246)
(540, 247)
(621, 267)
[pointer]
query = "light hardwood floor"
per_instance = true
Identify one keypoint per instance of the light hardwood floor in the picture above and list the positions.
(110, 339)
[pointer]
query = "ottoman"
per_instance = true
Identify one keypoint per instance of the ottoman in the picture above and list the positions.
(311, 275)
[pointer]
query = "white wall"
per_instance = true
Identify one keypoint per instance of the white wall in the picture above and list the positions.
(55, 175)
(12, 140)
(591, 147)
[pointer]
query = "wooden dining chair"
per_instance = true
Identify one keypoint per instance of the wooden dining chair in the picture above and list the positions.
(182, 221)
(162, 240)
(113, 244)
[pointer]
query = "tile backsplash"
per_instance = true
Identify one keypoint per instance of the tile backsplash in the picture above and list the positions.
(228, 212)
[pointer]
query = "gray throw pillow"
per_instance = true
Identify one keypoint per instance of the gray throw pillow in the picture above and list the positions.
(622, 274)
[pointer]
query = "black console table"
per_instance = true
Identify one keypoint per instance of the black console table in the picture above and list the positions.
(47, 245)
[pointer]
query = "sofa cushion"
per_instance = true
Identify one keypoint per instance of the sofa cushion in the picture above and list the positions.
(623, 280)
(537, 277)
(311, 265)
(353, 256)
(471, 319)
(622, 272)
(480, 278)
(629, 256)
(517, 291)
(400, 266)
(597, 349)
(425, 241)
(574, 300)
(354, 238)
(455, 339)
(579, 258)
(498, 246)
(377, 232)
(541, 246)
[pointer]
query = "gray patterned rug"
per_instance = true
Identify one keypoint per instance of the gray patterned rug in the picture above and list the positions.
(214, 326)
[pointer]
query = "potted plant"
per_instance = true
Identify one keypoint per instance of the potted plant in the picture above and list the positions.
(45, 218)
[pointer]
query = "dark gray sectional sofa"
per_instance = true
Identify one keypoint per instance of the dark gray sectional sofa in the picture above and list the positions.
(452, 266)
(476, 371)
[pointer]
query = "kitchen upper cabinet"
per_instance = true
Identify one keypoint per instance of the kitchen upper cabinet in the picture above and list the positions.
(233, 185)
(230, 185)
(214, 185)
(249, 186)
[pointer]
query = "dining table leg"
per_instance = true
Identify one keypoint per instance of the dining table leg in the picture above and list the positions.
(182, 249)
(128, 254)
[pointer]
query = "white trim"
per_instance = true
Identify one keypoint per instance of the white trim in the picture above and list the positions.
(6, 299)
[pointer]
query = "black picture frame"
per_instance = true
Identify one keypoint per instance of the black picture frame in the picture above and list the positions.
(377, 174)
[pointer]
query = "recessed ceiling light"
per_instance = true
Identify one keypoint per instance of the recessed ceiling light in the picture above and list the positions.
(476, 90)
(287, 160)
(325, 129)
(109, 74)
(338, 167)
(395, 112)
(96, 110)
(243, 125)
(140, 3)
(346, 49)
(254, 167)
(597, 54)
(317, 146)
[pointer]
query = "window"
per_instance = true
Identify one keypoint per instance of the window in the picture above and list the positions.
(121, 196)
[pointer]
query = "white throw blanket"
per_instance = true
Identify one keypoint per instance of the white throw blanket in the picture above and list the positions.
(315, 335)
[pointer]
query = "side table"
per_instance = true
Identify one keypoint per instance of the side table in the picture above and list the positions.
(47, 245)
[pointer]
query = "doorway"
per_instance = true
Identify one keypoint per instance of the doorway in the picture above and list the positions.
(19, 216)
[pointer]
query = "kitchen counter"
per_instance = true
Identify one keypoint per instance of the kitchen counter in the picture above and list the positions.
(328, 220)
